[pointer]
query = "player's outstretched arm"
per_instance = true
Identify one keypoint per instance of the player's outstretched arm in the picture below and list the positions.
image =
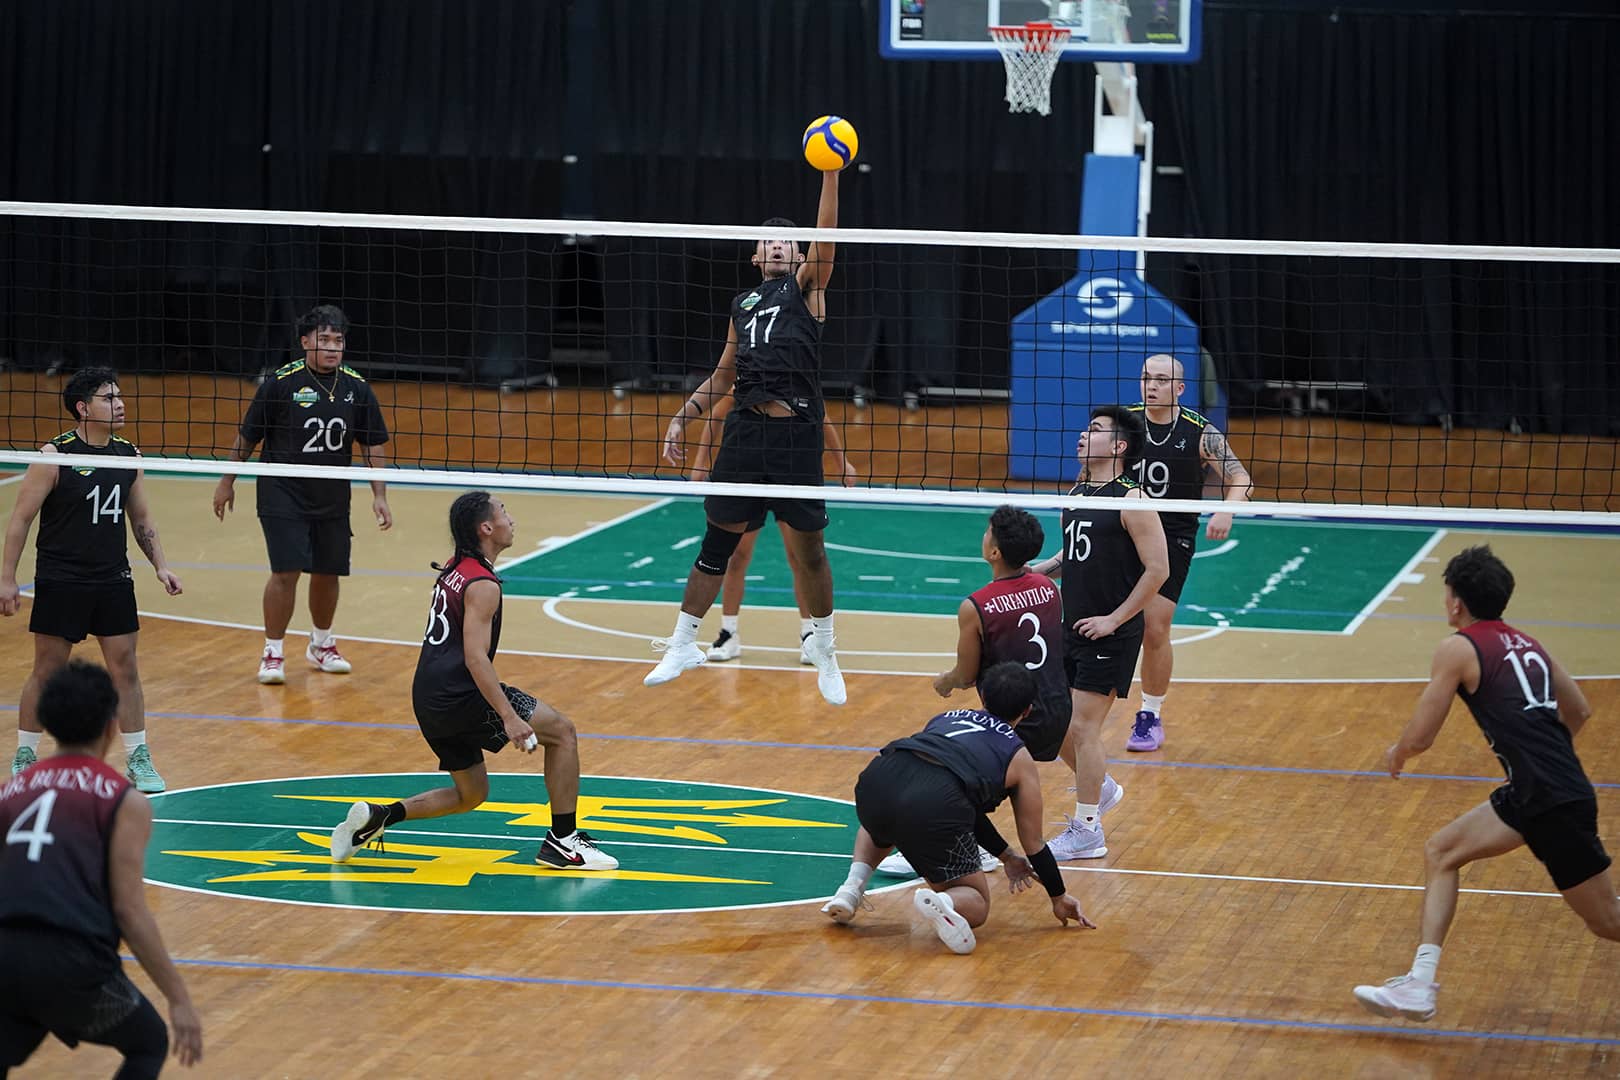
(704, 399)
(969, 647)
(146, 535)
(818, 261)
(1453, 660)
(1573, 708)
(126, 862)
(1234, 480)
(37, 483)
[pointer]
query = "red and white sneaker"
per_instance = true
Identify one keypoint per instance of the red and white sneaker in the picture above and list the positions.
(327, 658)
(272, 669)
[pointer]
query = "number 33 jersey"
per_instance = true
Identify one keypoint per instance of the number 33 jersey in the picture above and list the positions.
(443, 688)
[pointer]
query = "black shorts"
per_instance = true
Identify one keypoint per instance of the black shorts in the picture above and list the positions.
(768, 450)
(60, 984)
(73, 612)
(1105, 666)
(1043, 734)
(905, 802)
(320, 546)
(1563, 837)
(1180, 550)
(460, 737)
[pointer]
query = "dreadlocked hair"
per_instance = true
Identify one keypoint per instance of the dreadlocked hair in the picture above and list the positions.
(470, 510)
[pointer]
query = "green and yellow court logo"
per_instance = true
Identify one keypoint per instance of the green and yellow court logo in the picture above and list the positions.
(681, 846)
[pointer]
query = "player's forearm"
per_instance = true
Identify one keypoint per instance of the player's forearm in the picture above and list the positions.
(140, 930)
(827, 209)
(1237, 486)
(146, 538)
(1052, 568)
(376, 457)
(1146, 585)
(489, 684)
(16, 539)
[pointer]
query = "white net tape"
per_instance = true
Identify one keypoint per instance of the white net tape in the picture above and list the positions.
(1031, 53)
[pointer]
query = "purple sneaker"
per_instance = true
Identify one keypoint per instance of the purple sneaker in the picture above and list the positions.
(1146, 734)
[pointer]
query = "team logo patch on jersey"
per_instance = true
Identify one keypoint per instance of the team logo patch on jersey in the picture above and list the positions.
(681, 846)
(305, 396)
(750, 300)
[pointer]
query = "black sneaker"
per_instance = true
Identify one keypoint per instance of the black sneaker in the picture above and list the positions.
(574, 852)
(362, 825)
(727, 646)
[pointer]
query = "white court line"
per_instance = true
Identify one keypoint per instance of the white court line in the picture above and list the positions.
(912, 555)
(510, 839)
(13, 479)
(1395, 582)
(548, 548)
(1212, 552)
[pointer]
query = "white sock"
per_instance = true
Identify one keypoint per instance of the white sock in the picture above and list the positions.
(822, 627)
(322, 639)
(805, 629)
(29, 740)
(273, 647)
(1425, 963)
(859, 872)
(1085, 813)
(132, 739)
(728, 623)
(686, 629)
(1151, 703)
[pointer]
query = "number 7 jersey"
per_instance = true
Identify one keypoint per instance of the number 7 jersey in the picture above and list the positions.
(1515, 707)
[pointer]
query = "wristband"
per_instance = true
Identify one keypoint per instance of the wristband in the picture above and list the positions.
(1046, 868)
(696, 405)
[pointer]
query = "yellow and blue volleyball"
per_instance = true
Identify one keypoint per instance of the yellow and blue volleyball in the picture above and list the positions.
(830, 143)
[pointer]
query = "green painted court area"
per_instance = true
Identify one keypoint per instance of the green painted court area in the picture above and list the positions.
(681, 846)
(1270, 575)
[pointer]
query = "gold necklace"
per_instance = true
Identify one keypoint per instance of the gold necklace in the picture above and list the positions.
(331, 395)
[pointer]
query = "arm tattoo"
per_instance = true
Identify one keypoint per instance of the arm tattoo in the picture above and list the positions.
(146, 537)
(1217, 452)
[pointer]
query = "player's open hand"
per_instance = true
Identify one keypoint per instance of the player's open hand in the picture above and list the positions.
(1020, 874)
(1096, 626)
(675, 441)
(384, 516)
(9, 602)
(520, 735)
(185, 1031)
(1066, 907)
(171, 582)
(1220, 526)
(224, 497)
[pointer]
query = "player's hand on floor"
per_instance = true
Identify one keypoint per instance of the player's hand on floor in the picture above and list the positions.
(185, 1031)
(1394, 761)
(1066, 907)
(171, 582)
(1020, 874)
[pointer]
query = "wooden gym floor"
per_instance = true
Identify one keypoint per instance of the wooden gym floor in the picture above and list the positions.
(1259, 866)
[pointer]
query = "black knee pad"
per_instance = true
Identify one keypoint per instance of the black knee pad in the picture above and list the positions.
(717, 549)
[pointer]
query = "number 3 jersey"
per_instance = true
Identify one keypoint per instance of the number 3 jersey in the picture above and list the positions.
(443, 693)
(82, 538)
(1021, 618)
(1514, 706)
(57, 820)
(303, 418)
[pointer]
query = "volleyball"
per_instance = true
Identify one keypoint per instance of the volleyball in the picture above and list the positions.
(830, 143)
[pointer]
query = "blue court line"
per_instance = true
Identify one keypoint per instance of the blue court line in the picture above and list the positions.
(878, 999)
(764, 744)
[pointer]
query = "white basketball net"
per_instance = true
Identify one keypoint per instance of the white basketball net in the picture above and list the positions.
(1031, 53)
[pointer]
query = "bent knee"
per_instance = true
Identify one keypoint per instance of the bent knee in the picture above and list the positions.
(552, 727)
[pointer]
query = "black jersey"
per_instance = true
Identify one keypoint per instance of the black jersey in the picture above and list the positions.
(1514, 706)
(1172, 465)
(1100, 563)
(308, 419)
(57, 819)
(83, 537)
(1021, 618)
(973, 745)
(778, 348)
(443, 692)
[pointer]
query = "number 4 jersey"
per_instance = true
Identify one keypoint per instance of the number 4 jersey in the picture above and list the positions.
(82, 536)
(1516, 709)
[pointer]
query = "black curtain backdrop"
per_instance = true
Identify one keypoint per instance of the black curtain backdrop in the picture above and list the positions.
(1304, 120)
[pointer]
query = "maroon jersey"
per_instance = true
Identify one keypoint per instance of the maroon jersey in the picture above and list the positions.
(1515, 708)
(57, 820)
(443, 691)
(1022, 620)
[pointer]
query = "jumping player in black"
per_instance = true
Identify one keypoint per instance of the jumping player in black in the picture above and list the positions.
(1180, 449)
(928, 794)
(464, 709)
(70, 888)
(771, 364)
(1529, 710)
(312, 411)
(1112, 562)
(1017, 617)
(83, 586)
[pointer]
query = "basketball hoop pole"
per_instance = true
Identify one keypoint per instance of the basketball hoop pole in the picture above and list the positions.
(1119, 128)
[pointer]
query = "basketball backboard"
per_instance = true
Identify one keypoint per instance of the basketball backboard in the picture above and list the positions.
(1143, 31)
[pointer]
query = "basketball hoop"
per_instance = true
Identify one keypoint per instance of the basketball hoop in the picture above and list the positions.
(1031, 53)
